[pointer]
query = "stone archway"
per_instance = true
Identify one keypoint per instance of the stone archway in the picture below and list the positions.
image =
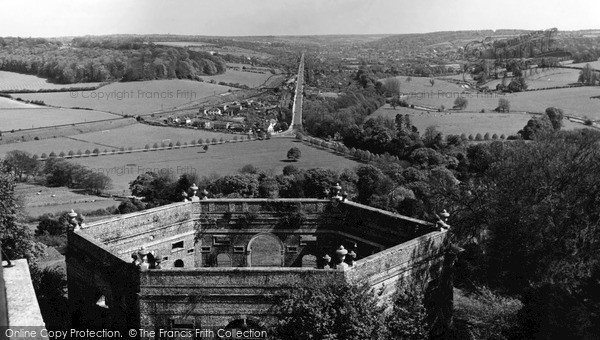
(223, 260)
(265, 250)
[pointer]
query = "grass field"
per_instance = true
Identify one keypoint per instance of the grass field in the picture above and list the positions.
(466, 122)
(593, 64)
(11, 81)
(135, 136)
(220, 159)
(6, 103)
(182, 43)
(573, 101)
(36, 117)
(56, 200)
(250, 79)
(133, 97)
(547, 78)
(420, 86)
(233, 50)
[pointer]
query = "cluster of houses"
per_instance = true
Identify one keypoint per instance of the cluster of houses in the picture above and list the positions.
(243, 107)
(229, 116)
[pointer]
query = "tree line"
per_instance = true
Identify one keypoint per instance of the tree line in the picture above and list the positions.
(101, 60)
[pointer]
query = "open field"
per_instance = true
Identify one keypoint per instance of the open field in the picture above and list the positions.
(133, 97)
(419, 86)
(233, 50)
(11, 81)
(593, 64)
(573, 101)
(547, 78)
(220, 159)
(56, 200)
(136, 136)
(29, 118)
(183, 43)
(466, 122)
(7, 103)
(251, 79)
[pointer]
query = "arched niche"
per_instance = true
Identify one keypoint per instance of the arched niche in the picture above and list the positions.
(223, 260)
(265, 250)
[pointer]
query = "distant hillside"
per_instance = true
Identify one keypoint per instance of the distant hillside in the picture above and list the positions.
(92, 59)
(425, 40)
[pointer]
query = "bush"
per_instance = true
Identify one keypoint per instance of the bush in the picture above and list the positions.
(461, 103)
(470, 137)
(502, 136)
(494, 136)
(155, 146)
(96, 151)
(478, 137)
(61, 154)
(214, 141)
(487, 315)
(486, 136)
(44, 155)
(52, 154)
(146, 147)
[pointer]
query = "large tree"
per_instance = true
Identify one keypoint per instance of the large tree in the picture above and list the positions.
(21, 163)
(16, 238)
(318, 309)
(535, 209)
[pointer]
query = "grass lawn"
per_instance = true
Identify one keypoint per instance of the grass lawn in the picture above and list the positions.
(133, 97)
(39, 116)
(135, 136)
(11, 81)
(466, 122)
(220, 159)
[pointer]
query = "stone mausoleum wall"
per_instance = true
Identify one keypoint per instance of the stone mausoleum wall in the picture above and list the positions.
(223, 259)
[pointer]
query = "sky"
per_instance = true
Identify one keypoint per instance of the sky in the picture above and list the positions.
(55, 18)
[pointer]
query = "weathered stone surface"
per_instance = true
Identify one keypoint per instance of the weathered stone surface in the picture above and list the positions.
(225, 232)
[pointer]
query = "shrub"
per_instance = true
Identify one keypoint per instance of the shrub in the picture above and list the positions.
(470, 137)
(214, 141)
(463, 137)
(44, 155)
(61, 154)
(502, 136)
(478, 137)
(221, 140)
(146, 147)
(155, 146)
(170, 145)
(52, 154)
(461, 103)
(96, 151)
(494, 136)
(486, 136)
(207, 141)
(178, 144)
(487, 314)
